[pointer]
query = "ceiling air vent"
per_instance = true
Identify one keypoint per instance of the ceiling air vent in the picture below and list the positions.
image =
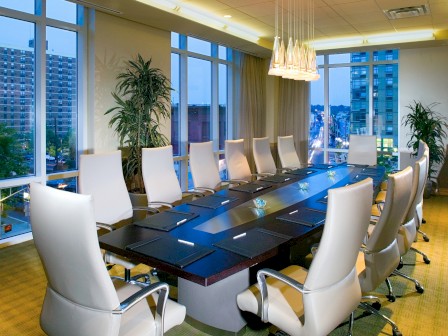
(407, 12)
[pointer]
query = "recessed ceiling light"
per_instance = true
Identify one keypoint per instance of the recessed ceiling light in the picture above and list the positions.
(227, 16)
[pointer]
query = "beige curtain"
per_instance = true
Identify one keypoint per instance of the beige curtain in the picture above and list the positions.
(252, 117)
(294, 112)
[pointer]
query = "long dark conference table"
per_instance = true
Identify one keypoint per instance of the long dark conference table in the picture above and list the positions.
(212, 243)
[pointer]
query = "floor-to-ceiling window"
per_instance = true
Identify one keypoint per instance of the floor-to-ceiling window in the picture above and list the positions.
(201, 73)
(356, 94)
(40, 56)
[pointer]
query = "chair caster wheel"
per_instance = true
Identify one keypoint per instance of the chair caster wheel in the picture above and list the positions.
(376, 305)
(396, 333)
(419, 289)
(426, 259)
(400, 265)
(391, 298)
(425, 238)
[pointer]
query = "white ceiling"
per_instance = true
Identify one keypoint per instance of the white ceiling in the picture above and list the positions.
(333, 19)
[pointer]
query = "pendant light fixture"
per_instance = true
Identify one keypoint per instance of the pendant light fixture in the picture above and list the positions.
(298, 60)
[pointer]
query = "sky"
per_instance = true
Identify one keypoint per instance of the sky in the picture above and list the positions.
(199, 73)
(15, 33)
(339, 85)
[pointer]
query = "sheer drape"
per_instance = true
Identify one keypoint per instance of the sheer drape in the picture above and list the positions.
(293, 107)
(294, 112)
(252, 116)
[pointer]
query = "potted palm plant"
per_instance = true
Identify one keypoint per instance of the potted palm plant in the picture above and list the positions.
(431, 127)
(142, 98)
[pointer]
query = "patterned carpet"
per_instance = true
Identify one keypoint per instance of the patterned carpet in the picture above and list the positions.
(23, 283)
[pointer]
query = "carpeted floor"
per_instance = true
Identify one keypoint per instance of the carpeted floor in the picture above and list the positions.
(23, 283)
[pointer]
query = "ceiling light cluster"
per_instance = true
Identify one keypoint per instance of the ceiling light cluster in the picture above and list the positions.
(294, 51)
(298, 60)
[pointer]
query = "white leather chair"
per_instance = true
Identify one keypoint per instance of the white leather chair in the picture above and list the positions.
(362, 150)
(81, 298)
(237, 165)
(314, 302)
(423, 150)
(161, 184)
(287, 152)
(408, 229)
(264, 162)
(101, 176)
(380, 255)
(204, 168)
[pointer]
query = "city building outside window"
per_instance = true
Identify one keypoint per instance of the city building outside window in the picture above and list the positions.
(201, 102)
(356, 94)
(36, 142)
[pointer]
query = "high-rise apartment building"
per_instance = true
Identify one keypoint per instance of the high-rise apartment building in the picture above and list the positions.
(17, 89)
(384, 96)
(17, 98)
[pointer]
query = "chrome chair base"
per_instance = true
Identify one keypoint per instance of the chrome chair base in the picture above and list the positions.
(425, 257)
(391, 296)
(368, 308)
(134, 279)
(351, 323)
(424, 235)
(420, 289)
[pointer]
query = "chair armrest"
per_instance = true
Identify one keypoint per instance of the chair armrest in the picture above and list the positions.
(238, 182)
(364, 250)
(193, 192)
(204, 189)
(264, 174)
(294, 168)
(380, 206)
(261, 174)
(157, 203)
(163, 290)
(220, 185)
(313, 249)
(261, 279)
(232, 182)
(145, 208)
(105, 226)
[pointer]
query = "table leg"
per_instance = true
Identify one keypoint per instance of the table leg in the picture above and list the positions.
(215, 305)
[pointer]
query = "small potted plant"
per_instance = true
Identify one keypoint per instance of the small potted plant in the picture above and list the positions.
(429, 126)
(142, 96)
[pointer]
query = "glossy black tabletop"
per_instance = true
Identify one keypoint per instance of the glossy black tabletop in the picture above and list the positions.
(213, 228)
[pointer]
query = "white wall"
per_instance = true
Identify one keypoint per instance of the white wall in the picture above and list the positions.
(116, 41)
(423, 76)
